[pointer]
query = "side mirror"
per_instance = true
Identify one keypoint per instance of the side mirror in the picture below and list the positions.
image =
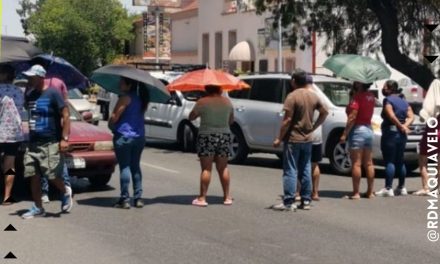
(87, 116)
(173, 101)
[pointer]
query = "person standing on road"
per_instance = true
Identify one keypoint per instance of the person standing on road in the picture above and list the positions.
(425, 151)
(360, 137)
(49, 125)
(397, 115)
(214, 140)
(296, 132)
(61, 87)
(127, 125)
(11, 130)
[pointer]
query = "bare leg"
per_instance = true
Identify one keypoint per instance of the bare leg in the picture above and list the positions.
(205, 176)
(315, 179)
(36, 190)
(221, 164)
(423, 162)
(356, 171)
(59, 184)
(8, 165)
(367, 162)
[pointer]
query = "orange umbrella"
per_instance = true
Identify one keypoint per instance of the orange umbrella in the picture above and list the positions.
(197, 80)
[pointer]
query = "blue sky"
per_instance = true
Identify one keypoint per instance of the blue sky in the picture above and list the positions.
(11, 25)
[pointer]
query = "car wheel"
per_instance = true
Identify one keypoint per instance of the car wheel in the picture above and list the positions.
(411, 167)
(339, 156)
(188, 139)
(100, 180)
(239, 148)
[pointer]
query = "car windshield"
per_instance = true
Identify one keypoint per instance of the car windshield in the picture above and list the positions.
(339, 92)
(74, 94)
(74, 115)
(193, 95)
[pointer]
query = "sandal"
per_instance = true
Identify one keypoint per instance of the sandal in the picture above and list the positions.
(421, 192)
(197, 202)
(9, 201)
(228, 201)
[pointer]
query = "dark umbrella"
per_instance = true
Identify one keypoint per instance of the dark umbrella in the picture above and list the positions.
(108, 77)
(17, 49)
(59, 67)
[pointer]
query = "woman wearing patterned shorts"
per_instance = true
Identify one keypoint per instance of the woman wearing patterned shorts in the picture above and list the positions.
(214, 140)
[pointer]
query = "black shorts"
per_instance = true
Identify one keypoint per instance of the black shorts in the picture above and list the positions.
(9, 149)
(210, 145)
(316, 153)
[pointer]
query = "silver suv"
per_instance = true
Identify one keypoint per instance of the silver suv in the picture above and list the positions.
(258, 115)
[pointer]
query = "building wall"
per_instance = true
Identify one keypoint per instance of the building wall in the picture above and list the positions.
(212, 20)
(184, 34)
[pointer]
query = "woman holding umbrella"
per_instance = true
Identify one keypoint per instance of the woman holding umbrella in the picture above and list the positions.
(127, 124)
(214, 140)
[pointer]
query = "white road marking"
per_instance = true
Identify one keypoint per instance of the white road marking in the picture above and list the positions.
(159, 168)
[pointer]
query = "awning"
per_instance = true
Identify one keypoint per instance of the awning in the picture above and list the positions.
(242, 51)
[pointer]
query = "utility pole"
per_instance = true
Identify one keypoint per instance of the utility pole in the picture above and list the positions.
(156, 15)
(280, 41)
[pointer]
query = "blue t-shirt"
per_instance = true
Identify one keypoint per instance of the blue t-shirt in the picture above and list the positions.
(45, 114)
(131, 122)
(400, 109)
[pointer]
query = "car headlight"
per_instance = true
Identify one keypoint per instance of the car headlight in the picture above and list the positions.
(376, 127)
(103, 145)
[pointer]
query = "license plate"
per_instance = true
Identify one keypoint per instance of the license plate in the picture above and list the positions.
(75, 163)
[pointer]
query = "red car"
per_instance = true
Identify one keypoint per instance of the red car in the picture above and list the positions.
(90, 152)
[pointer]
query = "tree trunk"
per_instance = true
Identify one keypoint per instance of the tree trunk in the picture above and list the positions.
(387, 15)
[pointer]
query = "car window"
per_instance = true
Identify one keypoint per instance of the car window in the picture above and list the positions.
(193, 95)
(243, 93)
(74, 115)
(74, 94)
(267, 90)
(337, 92)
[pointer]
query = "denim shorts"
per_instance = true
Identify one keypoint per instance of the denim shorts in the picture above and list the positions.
(360, 137)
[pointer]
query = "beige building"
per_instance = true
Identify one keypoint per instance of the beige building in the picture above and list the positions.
(205, 32)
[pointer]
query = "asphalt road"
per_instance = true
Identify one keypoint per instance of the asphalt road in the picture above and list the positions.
(169, 230)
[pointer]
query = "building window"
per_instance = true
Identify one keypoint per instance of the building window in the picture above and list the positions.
(230, 6)
(246, 5)
(218, 50)
(263, 65)
(205, 48)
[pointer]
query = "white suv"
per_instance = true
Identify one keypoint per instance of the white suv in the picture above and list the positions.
(258, 116)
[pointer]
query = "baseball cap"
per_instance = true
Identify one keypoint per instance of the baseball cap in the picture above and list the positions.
(36, 70)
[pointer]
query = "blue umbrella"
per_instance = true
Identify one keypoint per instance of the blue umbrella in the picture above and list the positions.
(59, 67)
(108, 77)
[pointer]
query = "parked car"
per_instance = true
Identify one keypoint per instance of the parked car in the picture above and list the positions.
(412, 91)
(90, 152)
(82, 104)
(258, 115)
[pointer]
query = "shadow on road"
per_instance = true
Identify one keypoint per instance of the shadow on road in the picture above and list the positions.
(171, 199)
(51, 215)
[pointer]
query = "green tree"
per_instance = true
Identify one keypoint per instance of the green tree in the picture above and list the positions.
(87, 33)
(394, 27)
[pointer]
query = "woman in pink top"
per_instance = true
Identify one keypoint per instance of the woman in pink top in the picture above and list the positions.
(359, 135)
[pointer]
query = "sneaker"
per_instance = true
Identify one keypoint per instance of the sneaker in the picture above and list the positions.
(385, 193)
(123, 204)
(45, 198)
(284, 207)
(138, 203)
(67, 201)
(305, 205)
(401, 191)
(34, 212)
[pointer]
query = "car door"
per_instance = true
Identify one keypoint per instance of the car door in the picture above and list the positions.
(162, 118)
(259, 114)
